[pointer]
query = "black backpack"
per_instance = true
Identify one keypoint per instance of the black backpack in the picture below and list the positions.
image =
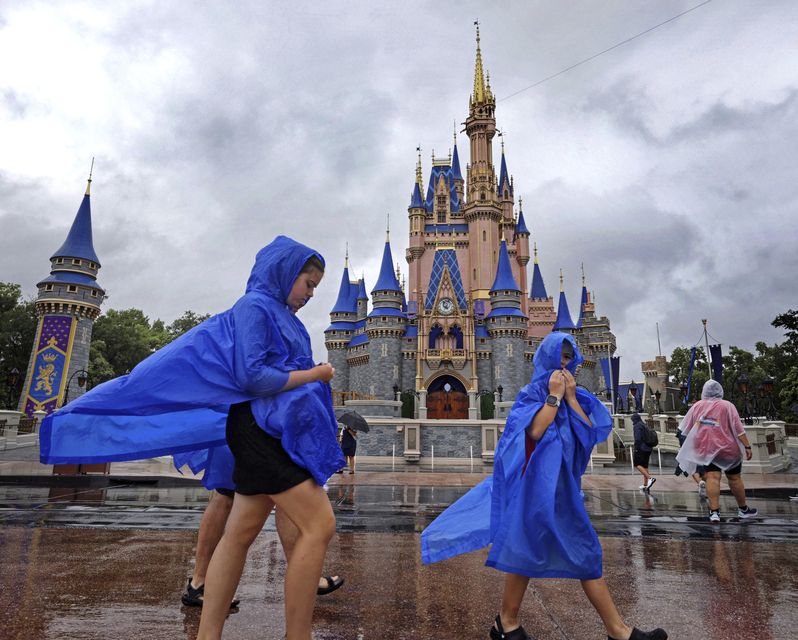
(650, 436)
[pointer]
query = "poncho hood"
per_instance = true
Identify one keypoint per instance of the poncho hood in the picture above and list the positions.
(548, 356)
(277, 266)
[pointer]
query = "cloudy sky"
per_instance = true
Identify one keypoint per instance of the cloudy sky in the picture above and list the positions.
(666, 165)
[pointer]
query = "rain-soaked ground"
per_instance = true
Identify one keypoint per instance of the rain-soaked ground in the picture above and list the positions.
(107, 557)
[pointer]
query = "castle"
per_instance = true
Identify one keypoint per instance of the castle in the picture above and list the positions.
(465, 324)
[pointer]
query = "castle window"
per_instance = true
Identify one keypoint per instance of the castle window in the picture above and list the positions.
(92, 265)
(59, 261)
(93, 293)
(475, 274)
(48, 287)
(75, 261)
(441, 216)
(72, 288)
(484, 235)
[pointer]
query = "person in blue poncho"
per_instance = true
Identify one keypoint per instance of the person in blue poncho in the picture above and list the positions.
(531, 510)
(245, 378)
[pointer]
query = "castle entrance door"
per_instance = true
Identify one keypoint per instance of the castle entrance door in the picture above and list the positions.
(447, 399)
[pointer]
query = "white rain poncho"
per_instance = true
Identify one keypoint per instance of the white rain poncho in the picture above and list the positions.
(712, 427)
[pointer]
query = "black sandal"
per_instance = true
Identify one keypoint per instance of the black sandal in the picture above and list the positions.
(656, 634)
(193, 597)
(332, 585)
(497, 632)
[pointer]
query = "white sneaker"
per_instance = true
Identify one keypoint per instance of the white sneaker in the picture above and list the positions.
(702, 489)
(650, 483)
(642, 487)
(714, 516)
(749, 512)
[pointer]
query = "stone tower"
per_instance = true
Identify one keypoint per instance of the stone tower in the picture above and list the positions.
(68, 303)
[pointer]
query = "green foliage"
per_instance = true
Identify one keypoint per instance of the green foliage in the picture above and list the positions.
(17, 332)
(679, 370)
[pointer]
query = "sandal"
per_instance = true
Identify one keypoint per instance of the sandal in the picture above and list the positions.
(497, 632)
(193, 597)
(656, 634)
(332, 585)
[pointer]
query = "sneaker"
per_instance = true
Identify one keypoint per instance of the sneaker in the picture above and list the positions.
(714, 516)
(642, 487)
(650, 483)
(702, 489)
(748, 512)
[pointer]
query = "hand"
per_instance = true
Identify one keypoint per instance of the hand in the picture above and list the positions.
(748, 454)
(557, 384)
(324, 372)
(570, 385)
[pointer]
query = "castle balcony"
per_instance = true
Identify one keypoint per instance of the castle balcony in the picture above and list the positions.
(454, 357)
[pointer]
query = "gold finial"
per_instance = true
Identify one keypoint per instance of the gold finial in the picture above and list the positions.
(520, 204)
(479, 80)
(454, 132)
(91, 171)
(398, 272)
(583, 274)
(562, 288)
(346, 257)
(450, 157)
(388, 228)
(535, 245)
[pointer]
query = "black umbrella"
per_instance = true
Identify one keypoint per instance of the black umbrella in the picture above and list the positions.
(354, 420)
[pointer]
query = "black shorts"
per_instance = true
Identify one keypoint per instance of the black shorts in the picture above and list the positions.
(641, 458)
(261, 463)
(733, 471)
(227, 493)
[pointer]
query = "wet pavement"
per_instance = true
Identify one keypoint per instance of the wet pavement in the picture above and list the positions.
(108, 556)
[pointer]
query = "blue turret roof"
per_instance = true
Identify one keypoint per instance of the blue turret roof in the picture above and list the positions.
(449, 178)
(563, 315)
(456, 165)
(538, 288)
(504, 273)
(504, 176)
(78, 243)
(521, 226)
(446, 258)
(387, 278)
(582, 304)
(361, 293)
(415, 201)
(344, 303)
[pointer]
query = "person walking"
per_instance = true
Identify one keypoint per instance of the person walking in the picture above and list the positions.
(715, 439)
(349, 447)
(642, 452)
(531, 510)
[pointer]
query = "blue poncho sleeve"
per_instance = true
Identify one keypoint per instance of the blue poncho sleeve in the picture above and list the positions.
(257, 348)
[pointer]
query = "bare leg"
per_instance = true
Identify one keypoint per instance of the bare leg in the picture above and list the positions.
(713, 489)
(288, 534)
(737, 488)
(644, 471)
(243, 526)
(599, 595)
(210, 532)
(351, 461)
(309, 508)
(514, 590)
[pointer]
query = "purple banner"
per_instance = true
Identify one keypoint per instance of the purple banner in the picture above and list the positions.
(716, 356)
(49, 365)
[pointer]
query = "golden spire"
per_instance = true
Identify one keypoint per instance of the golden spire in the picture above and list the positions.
(346, 257)
(419, 177)
(479, 78)
(398, 272)
(583, 274)
(388, 229)
(91, 171)
(454, 132)
(562, 287)
(535, 245)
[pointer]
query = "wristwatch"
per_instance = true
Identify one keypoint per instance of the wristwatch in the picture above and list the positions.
(552, 400)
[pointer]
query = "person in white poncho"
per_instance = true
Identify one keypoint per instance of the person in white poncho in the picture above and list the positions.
(716, 440)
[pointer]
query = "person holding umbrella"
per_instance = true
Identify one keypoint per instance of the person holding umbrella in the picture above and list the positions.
(352, 423)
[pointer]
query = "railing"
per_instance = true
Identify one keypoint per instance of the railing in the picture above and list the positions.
(3, 427)
(791, 430)
(339, 397)
(671, 425)
(26, 425)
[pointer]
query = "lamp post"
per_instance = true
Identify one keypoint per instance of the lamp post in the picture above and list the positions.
(743, 383)
(11, 385)
(657, 396)
(83, 378)
(685, 389)
(396, 392)
(767, 392)
(500, 389)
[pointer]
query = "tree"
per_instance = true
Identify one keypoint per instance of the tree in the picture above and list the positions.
(17, 331)
(679, 369)
(126, 338)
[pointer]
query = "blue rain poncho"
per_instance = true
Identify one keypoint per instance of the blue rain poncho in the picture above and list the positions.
(177, 400)
(533, 516)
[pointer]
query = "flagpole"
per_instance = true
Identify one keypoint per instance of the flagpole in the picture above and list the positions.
(609, 368)
(706, 343)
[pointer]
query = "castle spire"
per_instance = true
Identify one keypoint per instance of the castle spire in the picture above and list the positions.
(386, 281)
(564, 320)
(538, 288)
(504, 273)
(584, 300)
(480, 92)
(79, 242)
(419, 175)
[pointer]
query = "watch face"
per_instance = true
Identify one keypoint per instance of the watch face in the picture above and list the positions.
(445, 306)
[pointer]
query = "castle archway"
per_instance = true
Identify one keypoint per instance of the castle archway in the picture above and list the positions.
(447, 399)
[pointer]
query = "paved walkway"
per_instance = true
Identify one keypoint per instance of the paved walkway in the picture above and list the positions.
(108, 557)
